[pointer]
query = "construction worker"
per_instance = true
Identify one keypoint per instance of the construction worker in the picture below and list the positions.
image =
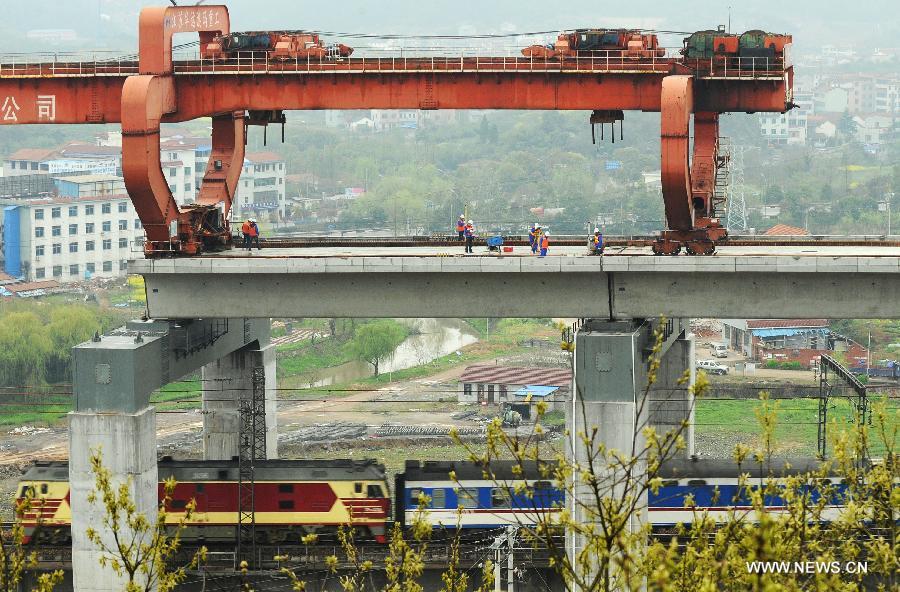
(469, 233)
(252, 235)
(597, 242)
(461, 227)
(545, 243)
(537, 239)
(245, 233)
(531, 238)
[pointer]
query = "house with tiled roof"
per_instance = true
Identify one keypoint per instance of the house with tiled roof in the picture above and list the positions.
(788, 340)
(491, 384)
(786, 230)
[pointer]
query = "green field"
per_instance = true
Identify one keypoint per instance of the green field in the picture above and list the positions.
(796, 426)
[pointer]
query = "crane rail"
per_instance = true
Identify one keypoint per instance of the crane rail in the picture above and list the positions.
(572, 241)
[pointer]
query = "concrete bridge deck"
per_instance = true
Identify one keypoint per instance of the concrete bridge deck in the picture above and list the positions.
(749, 282)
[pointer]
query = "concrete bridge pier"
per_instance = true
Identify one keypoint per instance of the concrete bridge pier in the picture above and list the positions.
(114, 377)
(611, 394)
(225, 382)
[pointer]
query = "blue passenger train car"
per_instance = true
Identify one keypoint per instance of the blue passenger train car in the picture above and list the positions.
(473, 501)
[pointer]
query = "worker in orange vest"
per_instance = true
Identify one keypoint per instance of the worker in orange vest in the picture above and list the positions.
(251, 233)
(545, 242)
(461, 227)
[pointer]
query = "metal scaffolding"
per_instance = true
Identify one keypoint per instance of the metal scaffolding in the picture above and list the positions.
(252, 447)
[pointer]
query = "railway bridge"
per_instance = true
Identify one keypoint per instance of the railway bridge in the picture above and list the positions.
(209, 313)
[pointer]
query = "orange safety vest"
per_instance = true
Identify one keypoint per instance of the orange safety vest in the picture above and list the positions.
(245, 228)
(545, 241)
(460, 226)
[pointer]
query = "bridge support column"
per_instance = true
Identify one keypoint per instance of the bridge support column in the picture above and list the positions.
(225, 382)
(671, 398)
(610, 394)
(127, 442)
(114, 377)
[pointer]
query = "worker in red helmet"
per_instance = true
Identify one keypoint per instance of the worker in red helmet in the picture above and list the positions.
(461, 227)
(545, 243)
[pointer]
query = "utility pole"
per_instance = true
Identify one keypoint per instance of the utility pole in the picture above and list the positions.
(504, 542)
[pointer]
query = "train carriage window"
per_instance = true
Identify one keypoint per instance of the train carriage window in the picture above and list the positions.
(538, 485)
(357, 488)
(500, 497)
(223, 475)
(178, 504)
(414, 496)
(374, 491)
(670, 483)
(285, 504)
(697, 483)
(467, 498)
(43, 488)
(200, 487)
(439, 498)
(285, 488)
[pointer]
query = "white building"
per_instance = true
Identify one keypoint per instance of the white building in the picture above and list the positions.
(791, 127)
(70, 239)
(261, 188)
(178, 158)
(873, 129)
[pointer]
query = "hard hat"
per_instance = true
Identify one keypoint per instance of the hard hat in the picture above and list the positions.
(470, 222)
(596, 230)
(547, 233)
(252, 219)
(537, 225)
(463, 216)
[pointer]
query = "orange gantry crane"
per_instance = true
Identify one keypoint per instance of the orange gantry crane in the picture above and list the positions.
(254, 87)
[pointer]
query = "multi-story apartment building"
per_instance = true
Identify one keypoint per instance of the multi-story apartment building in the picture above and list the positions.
(791, 127)
(70, 238)
(178, 165)
(261, 188)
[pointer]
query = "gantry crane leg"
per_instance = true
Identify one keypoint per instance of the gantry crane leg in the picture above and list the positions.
(688, 186)
(146, 99)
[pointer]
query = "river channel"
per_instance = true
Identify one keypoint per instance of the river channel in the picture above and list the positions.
(432, 339)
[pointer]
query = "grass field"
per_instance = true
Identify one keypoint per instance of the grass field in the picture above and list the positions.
(796, 422)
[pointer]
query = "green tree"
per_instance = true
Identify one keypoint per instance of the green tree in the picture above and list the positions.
(139, 548)
(847, 126)
(376, 341)
(24, 348)
(16, 558)
(69, 326)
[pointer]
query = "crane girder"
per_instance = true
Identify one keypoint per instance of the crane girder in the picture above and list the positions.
(157, 90)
